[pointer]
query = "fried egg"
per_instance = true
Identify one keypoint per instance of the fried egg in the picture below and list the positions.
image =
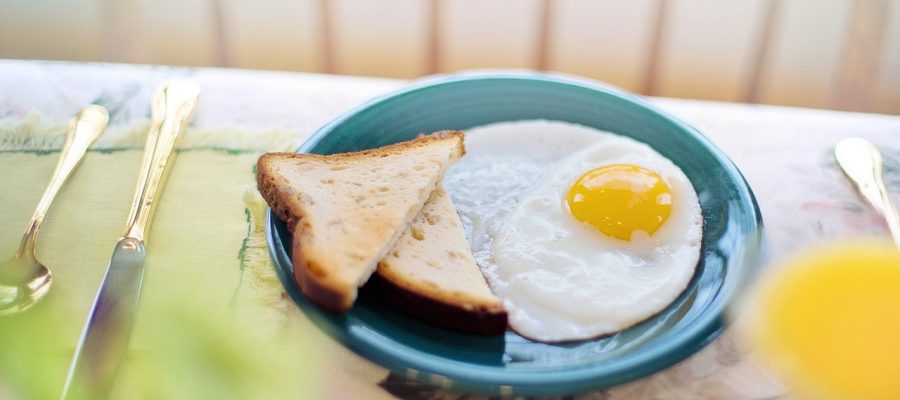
(607, 236)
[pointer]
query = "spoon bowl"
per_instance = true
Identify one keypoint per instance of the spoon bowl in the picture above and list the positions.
(23, 282)
(861, 162)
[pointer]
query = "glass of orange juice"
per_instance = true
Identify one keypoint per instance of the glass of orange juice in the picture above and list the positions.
(828, 321)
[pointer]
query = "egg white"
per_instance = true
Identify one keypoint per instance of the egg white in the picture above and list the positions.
(561, 279)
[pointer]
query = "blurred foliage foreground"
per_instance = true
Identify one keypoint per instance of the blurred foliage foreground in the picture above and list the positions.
(190, 353)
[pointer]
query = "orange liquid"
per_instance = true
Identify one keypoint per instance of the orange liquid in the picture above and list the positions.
(829, 322)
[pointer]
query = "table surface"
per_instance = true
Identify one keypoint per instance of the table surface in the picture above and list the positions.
(785, 154)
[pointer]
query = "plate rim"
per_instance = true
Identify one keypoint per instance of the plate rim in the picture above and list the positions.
(483, 379)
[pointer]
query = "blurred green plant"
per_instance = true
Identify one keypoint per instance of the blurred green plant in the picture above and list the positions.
(29, 356)
(188, 353)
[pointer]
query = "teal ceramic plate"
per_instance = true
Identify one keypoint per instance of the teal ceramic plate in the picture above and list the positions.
(510, 364)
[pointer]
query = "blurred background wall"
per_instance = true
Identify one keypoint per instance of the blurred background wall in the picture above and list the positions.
(840, 54)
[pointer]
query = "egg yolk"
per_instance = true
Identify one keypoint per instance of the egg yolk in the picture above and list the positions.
(621, 199)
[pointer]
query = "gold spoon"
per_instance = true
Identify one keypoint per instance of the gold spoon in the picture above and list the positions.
(861, 161)
(23, 279)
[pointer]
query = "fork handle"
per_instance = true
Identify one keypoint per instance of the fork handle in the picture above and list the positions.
(174, 105)
(84, 128)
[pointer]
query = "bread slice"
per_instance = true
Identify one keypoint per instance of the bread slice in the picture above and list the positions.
(347, 210)
(432, 275)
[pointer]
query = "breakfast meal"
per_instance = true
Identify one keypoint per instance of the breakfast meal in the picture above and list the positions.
(560, 231)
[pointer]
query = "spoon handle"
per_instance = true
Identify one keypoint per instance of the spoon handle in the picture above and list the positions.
(861, 162)
(173, 108)
(84, 128)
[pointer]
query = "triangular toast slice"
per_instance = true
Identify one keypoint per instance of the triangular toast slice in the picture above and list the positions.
(431, 273)
(346, 211)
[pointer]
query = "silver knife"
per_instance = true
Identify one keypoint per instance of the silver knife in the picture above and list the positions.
(104, 340)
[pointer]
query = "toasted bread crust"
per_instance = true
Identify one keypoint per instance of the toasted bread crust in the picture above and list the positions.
(479, 320)
(268, 187)
(479, 306)
(318, 290)
(420, 141)
(309, 271)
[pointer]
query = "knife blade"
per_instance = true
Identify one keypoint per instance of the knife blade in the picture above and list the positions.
(104, 340)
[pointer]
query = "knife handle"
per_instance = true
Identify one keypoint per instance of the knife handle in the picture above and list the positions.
(174, 106)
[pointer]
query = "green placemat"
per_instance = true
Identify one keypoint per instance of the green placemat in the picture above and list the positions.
(212, 309)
